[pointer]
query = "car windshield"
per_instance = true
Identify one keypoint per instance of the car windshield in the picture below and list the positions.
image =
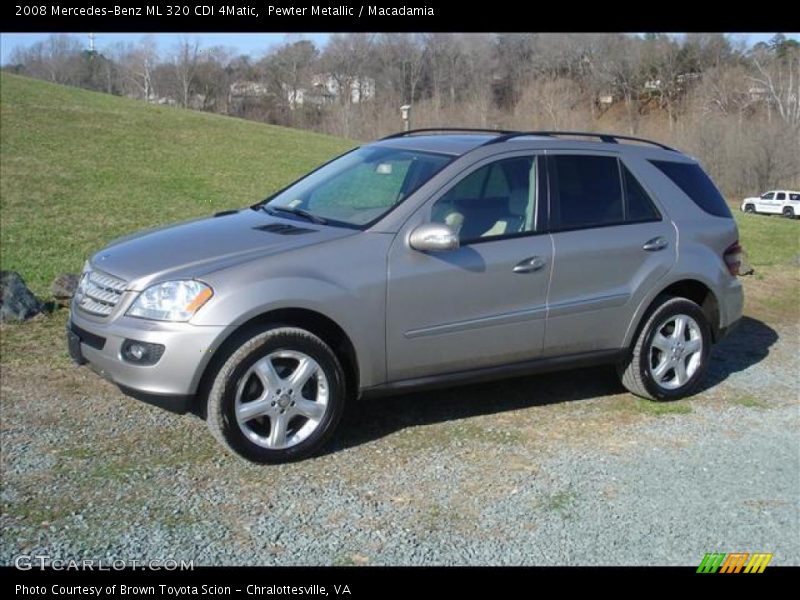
(360, 187)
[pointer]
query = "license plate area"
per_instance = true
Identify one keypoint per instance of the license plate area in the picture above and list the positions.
(74, 347)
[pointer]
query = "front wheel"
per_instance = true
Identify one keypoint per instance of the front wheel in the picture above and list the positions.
(278, 397)
(788, 212)
(749, 208)
(671, 353)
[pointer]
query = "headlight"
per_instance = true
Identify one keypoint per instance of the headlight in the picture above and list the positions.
(171, 301)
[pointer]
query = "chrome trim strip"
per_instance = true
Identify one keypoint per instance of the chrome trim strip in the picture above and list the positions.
(570, 307)
(528, 314)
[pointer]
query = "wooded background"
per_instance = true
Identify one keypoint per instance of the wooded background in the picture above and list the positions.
(734, 107)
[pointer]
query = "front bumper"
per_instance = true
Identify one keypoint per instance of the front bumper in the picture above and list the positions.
(187, 350)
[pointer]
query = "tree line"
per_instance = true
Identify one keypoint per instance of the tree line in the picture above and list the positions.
(736, 108)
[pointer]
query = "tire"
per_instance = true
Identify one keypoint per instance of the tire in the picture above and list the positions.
(788, 212)
(271, 426)
(749, 208)
(639, 371)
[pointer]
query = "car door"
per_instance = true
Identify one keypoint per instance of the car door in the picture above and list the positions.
(484, 303)
(780, 200)
(765, 203)
(610, 245)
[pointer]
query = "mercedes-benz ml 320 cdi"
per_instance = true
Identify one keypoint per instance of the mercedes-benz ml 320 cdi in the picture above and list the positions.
(426, 258)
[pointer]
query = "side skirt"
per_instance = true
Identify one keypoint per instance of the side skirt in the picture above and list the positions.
(529, 367)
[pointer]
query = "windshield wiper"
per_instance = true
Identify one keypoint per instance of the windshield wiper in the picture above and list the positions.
(295, 211)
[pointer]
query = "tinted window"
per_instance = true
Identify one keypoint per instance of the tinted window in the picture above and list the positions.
(697, 185)
(794, 196)
(496, 200)
(585, 191)
(781, 196)
(640, 206)
(768, 196)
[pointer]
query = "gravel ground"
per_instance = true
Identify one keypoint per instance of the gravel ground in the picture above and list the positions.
(558, 469)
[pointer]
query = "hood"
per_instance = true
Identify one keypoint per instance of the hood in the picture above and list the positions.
(195, 248)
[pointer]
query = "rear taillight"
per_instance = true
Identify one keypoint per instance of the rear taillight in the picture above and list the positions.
(733, 258)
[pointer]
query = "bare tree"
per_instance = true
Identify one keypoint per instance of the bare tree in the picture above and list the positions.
(290, 68)
(621, 69)
(184, 62)
(779, 78)
(137, 63)
(212, 80)
(55, 59)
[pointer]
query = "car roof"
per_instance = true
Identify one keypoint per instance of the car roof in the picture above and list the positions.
(455, 144)
(462, 142)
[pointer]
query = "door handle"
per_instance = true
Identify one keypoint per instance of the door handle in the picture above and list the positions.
(529, 265)
(657, 243)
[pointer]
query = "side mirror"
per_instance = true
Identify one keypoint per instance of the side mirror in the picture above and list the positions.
(433, 237)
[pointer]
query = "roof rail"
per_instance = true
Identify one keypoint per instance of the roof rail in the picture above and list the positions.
(400, 134)
(608, 138)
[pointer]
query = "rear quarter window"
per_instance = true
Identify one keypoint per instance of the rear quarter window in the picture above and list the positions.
(694, 182)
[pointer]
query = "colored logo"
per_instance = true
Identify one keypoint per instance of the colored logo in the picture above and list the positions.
(735, 562)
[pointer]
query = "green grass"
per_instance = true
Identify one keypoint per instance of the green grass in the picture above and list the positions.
(629, 404)
(768, 240)
(79, 168)
(748, 401)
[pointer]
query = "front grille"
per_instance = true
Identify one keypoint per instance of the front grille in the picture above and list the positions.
(99, 293)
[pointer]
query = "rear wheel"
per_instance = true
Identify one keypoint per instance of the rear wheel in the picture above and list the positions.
(670, 356)
(278, 397)
(750, 208)
(788, 212)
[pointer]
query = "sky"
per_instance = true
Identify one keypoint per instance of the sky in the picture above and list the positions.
(254, 44)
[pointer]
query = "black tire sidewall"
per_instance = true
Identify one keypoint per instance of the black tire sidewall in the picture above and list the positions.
(283, 339)
(666, 310)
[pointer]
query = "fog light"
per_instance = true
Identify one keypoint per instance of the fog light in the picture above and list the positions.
(141, 353)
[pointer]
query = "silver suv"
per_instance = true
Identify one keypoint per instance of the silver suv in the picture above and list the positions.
(428, 258)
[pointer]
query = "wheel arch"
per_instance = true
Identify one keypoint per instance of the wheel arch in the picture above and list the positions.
(692, 289)
(328, 330)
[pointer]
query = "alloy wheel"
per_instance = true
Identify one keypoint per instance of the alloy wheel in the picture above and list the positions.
(281, 399)
(676, 351)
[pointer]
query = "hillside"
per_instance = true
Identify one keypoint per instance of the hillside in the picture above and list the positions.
(79, 168)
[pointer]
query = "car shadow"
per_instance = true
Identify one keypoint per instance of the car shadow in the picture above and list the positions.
(746, 346)
(372, 419)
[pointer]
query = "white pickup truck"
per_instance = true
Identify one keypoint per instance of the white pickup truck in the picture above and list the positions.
(776, 202)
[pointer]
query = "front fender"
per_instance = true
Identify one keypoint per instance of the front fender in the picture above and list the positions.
(359, 312)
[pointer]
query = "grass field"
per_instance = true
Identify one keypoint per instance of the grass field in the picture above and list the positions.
(79, 168)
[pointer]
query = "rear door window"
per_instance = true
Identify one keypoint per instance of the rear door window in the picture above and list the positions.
(585, 191)
(640, 207)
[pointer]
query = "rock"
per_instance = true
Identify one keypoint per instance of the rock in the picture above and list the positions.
(17, 302)
(63, 287)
